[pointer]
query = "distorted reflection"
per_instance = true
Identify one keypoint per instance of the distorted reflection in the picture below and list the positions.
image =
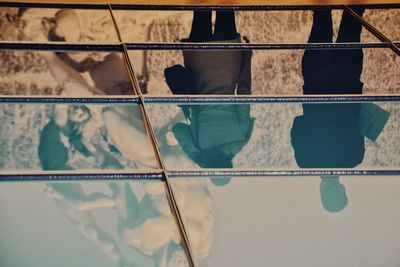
(332, 135)
(120, 136)
(212, 72)
(77, 207)
(79, 26)
(333, 194)
(210, 135)
(68, 25)
(144, 219)
(74, 136)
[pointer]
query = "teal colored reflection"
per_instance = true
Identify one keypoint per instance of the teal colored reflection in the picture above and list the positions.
(110, 137)
(144, 224)
(77, 206)
(220, 181)
(214, 134)
(332, 135)
(333, 194)
(328, 136)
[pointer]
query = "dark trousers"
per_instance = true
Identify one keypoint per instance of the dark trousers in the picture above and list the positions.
(225, 27)
(333, 71)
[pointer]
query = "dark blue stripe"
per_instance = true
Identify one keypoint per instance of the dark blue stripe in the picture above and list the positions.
(181, 46)
(251, 46)
(62, 100)
(185, 7)
(251, 173)
(80, 177)
(268, 99)
(245, 8)
(222, 8)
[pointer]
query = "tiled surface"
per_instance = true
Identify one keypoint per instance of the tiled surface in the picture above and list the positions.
(86, 224)
(261, 219)
(265, 219)
(95, 137)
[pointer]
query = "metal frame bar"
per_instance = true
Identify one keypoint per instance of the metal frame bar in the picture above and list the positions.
(65, 176)
(184, 7)
(64, 47)
(269, 99)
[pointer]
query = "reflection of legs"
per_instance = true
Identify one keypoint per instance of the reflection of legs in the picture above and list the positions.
(201, 27)
(350, 31)
(313, 60)
(321, 31)
(350, 28)
(225, 26)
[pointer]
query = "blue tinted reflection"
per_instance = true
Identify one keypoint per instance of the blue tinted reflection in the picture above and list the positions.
(68, 137)
(144, 221)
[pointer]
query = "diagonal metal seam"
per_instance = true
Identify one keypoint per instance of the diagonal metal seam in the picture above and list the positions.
(150, 133)
(373, 30)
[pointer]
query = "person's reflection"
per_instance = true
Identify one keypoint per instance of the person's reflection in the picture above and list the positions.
(332, 135)
(149, 226)
(214, 134)
(77, 206)
(71, 128)
(333, 194)
(212, 72)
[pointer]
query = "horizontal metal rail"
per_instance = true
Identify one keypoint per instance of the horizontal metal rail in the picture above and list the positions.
(268, 99)
(66, 47)
(185, 7)
(71, 100)
(48, 176)
(268, 173)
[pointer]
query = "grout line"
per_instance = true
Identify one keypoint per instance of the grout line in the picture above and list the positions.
(150, 134)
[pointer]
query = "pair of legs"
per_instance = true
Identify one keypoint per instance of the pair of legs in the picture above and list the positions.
(338, 69)
(225, 27)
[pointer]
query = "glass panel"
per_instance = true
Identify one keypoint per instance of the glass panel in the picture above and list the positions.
(57, 25)
(265, 72)
(285, 26)
(88, 224)
(292, 221)
(277, 135)
(62, 73)
(386, 21)
(73, 136)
